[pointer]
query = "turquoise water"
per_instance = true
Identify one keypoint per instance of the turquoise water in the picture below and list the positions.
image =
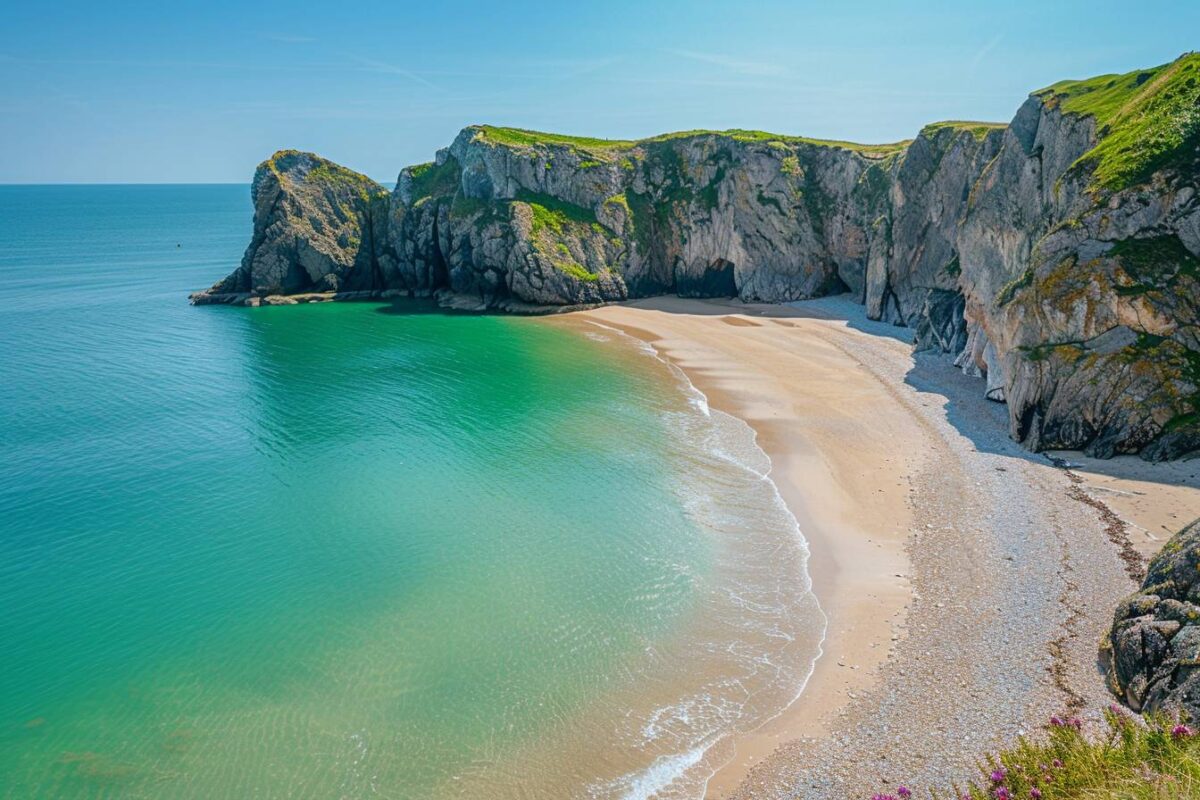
(358, 550)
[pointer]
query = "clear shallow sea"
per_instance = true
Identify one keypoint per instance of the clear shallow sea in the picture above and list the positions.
(358, 550)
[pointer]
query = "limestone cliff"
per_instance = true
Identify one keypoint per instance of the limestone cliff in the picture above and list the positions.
(1055, 256)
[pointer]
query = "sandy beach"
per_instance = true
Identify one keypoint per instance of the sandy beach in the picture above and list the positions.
(967, 582)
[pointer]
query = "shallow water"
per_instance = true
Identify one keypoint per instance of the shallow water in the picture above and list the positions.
(358, 550)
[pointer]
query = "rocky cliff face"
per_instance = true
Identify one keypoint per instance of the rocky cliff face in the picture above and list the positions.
(1154, 646)
(1056, 256)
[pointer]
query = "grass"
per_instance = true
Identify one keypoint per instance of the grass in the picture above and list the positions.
(1146, 120)
(429, 180)
(552, 218)
(550, 212)
(1156, 261)
(520, 137)
(979, 130)
(1010, 289)
(1127, 760)
(329, 175)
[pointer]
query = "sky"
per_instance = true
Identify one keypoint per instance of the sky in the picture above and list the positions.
(179, 92)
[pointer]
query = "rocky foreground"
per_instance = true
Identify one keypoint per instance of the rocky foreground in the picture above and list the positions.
(1154, 646)
(1057, 256)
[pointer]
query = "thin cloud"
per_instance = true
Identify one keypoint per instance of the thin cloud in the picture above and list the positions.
(392, 69)
(759, 68)
(983, 51)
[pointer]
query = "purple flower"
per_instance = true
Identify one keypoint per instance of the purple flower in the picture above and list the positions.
(1057, 763)
(1057, 721)
(1002, 793)
(998, 775)
(1181, 732)
(1076, 723)
(904, 793)
(1036, 794)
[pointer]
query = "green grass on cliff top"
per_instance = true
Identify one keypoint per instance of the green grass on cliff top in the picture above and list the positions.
(325, 172)
(1146, 120)
(979, 130)
(518, 137)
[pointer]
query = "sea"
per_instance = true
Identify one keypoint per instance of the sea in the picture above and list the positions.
(361, 549)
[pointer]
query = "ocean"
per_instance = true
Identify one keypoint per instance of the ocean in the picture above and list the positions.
(359, 550)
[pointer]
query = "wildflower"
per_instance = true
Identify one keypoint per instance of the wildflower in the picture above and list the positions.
(998, 775)
(1181, 732)
(1076, 723)
(1047, 778)
(1036, 794)
(1057, 763)
(1002, 793)
(904, 793)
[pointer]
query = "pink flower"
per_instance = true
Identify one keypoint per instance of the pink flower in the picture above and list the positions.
(1057, 763)
(1181, 732)
(904, 793)
(1057, 721)
(1036, 794)
(1076, 723)
(1002, 793)
(998, 775)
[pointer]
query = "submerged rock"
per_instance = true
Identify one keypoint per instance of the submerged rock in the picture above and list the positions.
(1154, 645)
(1058, 257)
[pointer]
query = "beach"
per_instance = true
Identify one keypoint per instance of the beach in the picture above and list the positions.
(967, 582)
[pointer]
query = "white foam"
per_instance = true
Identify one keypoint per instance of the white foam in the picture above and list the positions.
(665, 771)
(694, 724)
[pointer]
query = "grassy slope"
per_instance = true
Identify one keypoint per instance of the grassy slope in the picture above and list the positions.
(1128, 760)
(1146, 120)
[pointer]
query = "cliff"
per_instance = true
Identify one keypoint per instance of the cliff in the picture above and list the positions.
(1056, 256)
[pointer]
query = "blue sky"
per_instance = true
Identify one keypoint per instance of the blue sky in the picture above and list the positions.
(182, 92)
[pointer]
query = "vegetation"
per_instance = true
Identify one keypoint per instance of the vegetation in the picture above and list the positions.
(551, 219)
(1010, 289)
(1156, 262)
(979, 130)
(1130, 759)
(550, 212)
(1146, 120)
(519, 137)
(430, 180)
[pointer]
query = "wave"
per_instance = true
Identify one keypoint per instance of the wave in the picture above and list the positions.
(767, 629)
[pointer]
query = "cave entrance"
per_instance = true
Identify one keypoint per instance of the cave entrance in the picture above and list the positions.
(439, 274)
(717, 280)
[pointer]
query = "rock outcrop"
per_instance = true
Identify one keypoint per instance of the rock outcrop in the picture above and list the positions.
(317, 229)
(1154, 646)
(1058, 257)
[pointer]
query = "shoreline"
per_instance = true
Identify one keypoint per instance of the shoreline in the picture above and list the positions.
(856, 557)
(899, 473)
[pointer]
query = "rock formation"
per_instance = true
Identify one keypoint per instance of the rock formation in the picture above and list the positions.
(1057, 256)
(1154, 645)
